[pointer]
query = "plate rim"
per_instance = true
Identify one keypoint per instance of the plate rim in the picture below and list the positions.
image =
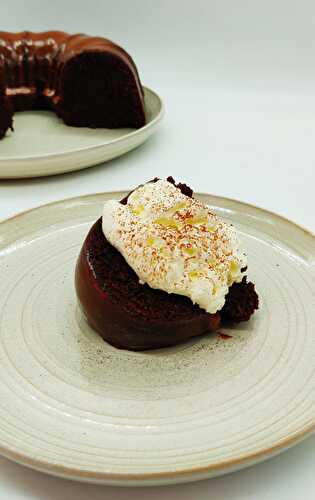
(124, 191)
(185, 473)
(133, 133)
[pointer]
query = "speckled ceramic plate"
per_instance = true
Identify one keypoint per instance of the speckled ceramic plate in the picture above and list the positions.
(73, 406)
(42, 144)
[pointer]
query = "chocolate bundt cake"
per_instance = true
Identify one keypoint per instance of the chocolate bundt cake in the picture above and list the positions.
(134, 316)
(88, 81)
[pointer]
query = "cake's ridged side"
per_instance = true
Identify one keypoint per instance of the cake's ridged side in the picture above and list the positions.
(133, 316)
(32, 67)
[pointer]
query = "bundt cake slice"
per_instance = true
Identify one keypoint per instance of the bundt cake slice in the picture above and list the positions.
(134, 316)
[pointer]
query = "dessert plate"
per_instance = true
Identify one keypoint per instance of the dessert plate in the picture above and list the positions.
(43, 145)
(73, 406)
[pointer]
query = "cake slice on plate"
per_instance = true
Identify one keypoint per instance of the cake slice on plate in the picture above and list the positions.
(159, 268)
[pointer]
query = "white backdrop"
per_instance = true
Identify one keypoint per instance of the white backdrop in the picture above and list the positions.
(238, 80)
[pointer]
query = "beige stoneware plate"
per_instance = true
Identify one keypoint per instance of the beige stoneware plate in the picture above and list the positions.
(73, 406)
(42, 145)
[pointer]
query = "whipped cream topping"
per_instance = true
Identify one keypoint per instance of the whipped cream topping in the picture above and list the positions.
(175, 243)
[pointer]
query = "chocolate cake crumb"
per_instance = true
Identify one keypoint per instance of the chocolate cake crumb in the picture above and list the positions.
(240, 303)
(224, 336)
(186, 190)
(170, 179)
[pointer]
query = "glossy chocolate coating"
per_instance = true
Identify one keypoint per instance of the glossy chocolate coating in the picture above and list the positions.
(31, 64)
(124, 330)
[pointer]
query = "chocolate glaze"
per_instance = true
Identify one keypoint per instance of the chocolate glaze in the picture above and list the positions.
(31, 65)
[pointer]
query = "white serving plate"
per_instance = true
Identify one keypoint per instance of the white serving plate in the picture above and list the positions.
(73, 406)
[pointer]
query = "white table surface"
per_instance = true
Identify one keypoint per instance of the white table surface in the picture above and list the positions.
(238, 80)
